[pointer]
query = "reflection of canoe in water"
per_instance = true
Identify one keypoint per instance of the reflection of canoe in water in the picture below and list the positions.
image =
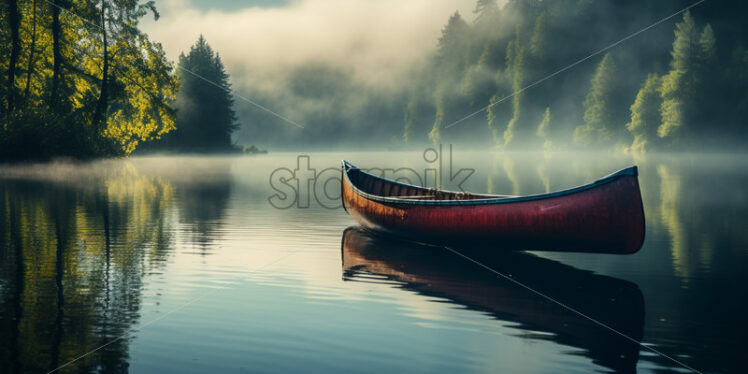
(427, 270)
(604, 216)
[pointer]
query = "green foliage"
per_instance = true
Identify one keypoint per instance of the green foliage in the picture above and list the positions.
(144, 85)
(85, 82)
(487, 13)
(477, 84)
(682, 88)
(453, 44)
(544, 127)
(436, 131)
(544, 131)
(645, 114)
(496, 119)
(492, 56)
(672, 104)
(599, 113)
(707, 45)
(485, 9)
(685, 51)
(515, 57)
(452, 55)
(538, 39)
(510, 46)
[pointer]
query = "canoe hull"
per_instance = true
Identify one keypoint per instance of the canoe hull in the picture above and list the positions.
(608, 217)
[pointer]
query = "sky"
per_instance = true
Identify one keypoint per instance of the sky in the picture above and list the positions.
(377, 40)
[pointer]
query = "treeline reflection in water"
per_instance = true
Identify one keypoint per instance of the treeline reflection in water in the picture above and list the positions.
(79, 243)
(75, 247)
(685, 196)
(692, 263)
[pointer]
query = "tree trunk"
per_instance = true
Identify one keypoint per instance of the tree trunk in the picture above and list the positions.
(14, 19)
(101, 106)
(56, 55)
(30, 69)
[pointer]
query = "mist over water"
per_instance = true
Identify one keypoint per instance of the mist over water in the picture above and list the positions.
(386, 74)
(201, 263)
(187, 258)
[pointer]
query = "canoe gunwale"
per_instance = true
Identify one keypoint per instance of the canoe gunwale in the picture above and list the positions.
(628, 171)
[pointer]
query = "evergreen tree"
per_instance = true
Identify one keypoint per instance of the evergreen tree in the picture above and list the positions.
(486, 14)
(682, 88)
(529, 45)
(411, 112)
(707, 46)
(599, 105)
(496, 119)
(492, 56)
(453, 45)
(485, 8)
(451, 59)
(436, 130)
(515, 59)
(538, 39)
(477, 84)
(645, 114)
(544, 131)
(677, 85)
(206, 117)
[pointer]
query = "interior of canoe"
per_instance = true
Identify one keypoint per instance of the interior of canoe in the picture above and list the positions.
(384, 187)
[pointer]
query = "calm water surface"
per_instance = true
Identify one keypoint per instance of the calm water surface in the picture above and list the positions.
(182, 264)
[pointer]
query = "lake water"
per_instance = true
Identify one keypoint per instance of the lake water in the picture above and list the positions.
(209, 264)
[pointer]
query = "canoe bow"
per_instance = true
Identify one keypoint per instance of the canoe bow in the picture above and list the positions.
(606, 215)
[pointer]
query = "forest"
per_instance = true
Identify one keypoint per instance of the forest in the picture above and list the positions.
(692, 97)
(677, 84)
(80, 80)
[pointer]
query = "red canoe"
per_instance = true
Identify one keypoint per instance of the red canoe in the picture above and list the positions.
(604, 216)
